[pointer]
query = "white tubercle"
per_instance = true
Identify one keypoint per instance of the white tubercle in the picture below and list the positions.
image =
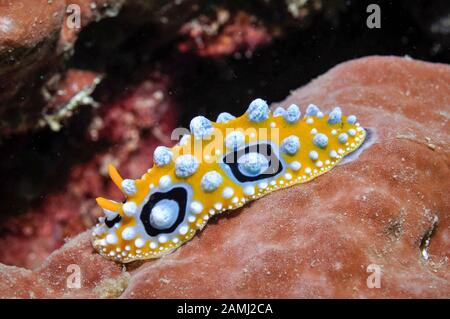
(129, 187)
(249, 190)
(227, 192)
(196, 207)
(129, 208)
(165, 181)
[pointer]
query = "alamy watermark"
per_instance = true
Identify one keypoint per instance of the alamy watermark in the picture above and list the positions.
(73, 20)
(374, 19)
(374, 279)
(73, 281)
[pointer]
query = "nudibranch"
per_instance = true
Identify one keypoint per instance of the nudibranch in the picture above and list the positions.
(217, 167)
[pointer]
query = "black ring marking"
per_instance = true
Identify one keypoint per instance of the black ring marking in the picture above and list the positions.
(115, 220)
(274, 168)
(178, 194)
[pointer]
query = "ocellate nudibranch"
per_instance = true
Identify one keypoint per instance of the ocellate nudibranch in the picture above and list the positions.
(217, 167)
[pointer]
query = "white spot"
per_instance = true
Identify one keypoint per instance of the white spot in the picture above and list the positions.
(319, 164)
(313, 155)
(279, 111)
(312, 110)
(335, 116)
(129, 233)
(218, 206)
(162, 239)
(249, 190)
(342, 138)
(352, 132)
(211, 181)
(129, 186)
(252, 164)
(153, 245)
(290, 145)
(314, 131)
(320, 140)
(333, 154)
(258, 111)
(224, 117)
(201, 127)
(162, 156)
(288, 176)
(196, 207)
(263, 185)
(333, 132)
(165, 181)
(112, 239)
(292, 114)
(164, 213)
(186, 165)
(139, 243)
(309, 120)
(129, 208)
(351, 119)
(234, 140)
(308, 170)
(191, 219)
(227, 192)
(295, 165)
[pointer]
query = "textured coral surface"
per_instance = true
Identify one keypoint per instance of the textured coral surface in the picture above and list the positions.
(388, 207)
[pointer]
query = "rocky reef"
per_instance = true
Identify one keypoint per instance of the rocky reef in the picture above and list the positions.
(389, 207)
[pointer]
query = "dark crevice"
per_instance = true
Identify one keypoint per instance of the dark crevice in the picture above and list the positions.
(425, 242)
